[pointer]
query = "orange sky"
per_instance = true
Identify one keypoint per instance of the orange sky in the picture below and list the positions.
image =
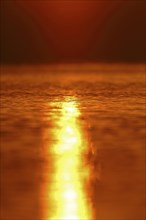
(69, 25)
(68, 29)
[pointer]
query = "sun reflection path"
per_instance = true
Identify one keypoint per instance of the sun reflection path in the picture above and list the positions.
(68, 190)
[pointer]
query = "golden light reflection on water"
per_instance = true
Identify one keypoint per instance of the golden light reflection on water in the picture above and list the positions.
(68, 190)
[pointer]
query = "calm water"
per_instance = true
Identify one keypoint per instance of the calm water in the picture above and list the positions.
(73, 142)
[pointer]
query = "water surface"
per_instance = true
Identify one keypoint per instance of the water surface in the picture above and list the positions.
(73, 142)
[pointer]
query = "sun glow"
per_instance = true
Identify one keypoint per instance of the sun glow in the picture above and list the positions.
(68, 190)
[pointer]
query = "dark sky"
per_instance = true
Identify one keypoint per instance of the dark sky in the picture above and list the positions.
(37, 31)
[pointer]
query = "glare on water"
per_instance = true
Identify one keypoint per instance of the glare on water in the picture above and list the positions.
(67, 193)
(72, 142)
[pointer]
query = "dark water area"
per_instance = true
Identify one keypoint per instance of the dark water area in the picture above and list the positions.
(73, 142)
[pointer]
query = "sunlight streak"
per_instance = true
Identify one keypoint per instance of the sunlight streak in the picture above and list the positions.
(68, 190)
